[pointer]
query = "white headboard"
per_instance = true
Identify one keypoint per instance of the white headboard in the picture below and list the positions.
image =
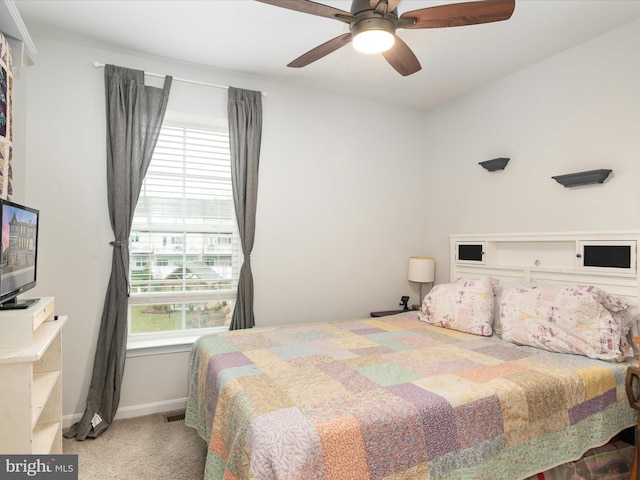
(606, 259)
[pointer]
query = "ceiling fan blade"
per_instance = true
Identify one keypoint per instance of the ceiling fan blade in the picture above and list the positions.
(402, 58)
(313, 8)
(392, 4)
(321, 51)
(459, 14)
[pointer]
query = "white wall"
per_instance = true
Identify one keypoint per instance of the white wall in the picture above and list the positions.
(348, 188)
(335, 199)
(577, 111)
(338, 195)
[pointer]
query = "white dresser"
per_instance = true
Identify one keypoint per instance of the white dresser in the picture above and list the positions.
(31, 379)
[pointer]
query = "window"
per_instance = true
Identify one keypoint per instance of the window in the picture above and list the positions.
(184, 241)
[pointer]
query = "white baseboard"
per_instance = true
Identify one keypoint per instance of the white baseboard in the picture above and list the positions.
(134, 411)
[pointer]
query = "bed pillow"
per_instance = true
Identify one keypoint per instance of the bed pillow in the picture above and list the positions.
(578, 319)
(631, 325)
(499, 289)
(466, 305)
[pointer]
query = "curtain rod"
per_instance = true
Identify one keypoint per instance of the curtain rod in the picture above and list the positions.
(194, 82)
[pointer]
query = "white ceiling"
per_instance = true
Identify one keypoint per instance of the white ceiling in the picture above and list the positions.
(258, 40)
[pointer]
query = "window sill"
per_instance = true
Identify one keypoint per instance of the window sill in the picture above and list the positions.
(160, 346)
(161, 343)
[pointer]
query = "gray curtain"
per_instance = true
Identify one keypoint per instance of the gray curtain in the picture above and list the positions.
(134, 118)
(245, 134)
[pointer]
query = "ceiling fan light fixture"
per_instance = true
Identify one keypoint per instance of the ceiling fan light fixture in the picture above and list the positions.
(373, 41)
(373, 35)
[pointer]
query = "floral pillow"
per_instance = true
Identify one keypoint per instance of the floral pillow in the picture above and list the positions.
(466, 305)
(499, 289)
(631, 325)
(578, 319)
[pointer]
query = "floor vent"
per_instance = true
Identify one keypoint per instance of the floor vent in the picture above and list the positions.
(174, 417)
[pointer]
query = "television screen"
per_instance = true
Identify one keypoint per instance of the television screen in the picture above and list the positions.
(18, 252)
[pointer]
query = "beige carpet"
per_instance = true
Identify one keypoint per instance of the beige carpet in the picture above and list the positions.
(142, 448)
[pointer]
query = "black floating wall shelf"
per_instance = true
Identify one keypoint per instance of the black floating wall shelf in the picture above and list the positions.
(495, 164)
(582, 178)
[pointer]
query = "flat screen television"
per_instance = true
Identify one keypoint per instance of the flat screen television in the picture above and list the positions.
(18, 253)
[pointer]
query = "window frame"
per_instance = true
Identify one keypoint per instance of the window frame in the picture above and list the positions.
(139, 344)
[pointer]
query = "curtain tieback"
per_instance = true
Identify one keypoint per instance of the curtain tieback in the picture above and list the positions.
(119, 244)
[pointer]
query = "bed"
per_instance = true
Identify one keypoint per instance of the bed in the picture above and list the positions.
(414, 395)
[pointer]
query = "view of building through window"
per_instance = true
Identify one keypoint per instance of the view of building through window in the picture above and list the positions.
(184, 241)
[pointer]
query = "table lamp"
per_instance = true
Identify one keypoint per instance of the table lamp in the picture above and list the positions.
(421, 270)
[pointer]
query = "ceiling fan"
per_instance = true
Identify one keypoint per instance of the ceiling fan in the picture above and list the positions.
(373, 23)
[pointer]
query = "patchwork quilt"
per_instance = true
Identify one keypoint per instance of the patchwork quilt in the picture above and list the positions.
(395, 398)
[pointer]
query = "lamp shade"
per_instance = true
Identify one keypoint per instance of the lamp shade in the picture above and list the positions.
(422, 269)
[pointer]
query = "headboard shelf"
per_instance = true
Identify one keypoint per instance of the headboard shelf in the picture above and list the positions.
(527, 268)
(607, 259)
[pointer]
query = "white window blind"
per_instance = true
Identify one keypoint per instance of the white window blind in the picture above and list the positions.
(184, 241)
